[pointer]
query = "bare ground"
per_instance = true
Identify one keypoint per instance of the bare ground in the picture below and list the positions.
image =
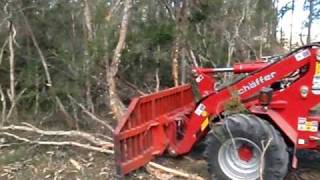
(24, 162)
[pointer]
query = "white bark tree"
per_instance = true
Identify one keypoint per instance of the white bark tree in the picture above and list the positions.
(116, 105)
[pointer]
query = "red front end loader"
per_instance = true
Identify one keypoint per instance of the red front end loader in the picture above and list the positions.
(281, 115)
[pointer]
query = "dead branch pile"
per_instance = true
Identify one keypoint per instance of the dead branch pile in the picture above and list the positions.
(86, 140)
(95, 143)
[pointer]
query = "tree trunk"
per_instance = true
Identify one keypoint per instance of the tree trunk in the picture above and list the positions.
(12, 64)
(3, 108)
(158, 69)
(116, 105)
(185, 10)
(88, 20)
(183, 66)
(90, 36)
(230, 53)
(181, 22)
(291, 24)
(175, 64)
(310, 20)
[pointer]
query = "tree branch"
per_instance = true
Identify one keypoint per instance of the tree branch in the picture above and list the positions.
(264, 149)
(114, 8)
(2, 50)
(92, 116)
(169, 9)
(14, 103)
(103, 149)
(36, 44)
(30, 128)
(63, 143)
(4, 107)
(174, 171)
(132, 86)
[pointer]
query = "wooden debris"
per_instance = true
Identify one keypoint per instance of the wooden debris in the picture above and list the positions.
(174, 171)
(76, 164)
(159, 171)
(30, 128)
(63, 143)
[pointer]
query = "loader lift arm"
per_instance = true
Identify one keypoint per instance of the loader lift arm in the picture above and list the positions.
(170, 120)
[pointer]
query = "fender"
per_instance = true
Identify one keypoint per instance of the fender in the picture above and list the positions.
(282, 125)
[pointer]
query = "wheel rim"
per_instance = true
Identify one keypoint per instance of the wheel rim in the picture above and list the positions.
(237, 162)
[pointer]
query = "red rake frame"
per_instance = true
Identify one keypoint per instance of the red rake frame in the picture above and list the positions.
(149, 126)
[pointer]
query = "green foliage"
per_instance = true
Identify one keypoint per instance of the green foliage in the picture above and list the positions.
(234, 105)
(198, 16)
(73, 60)
(160, 34)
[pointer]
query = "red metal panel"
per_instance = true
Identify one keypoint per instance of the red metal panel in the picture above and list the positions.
(297, 106)
(146, 129)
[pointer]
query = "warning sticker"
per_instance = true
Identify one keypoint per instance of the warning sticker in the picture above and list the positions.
(316, 80)
(302, 55)
(317, 68)
(200, 109)
(204, 124)
(199, 78)
(304, 125)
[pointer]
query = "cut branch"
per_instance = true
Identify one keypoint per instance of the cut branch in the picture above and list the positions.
(30, 128)
(101, 146)
(63, 143)
(175, 172)
(264, 150)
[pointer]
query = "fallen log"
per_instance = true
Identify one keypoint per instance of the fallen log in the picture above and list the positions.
(30, 128)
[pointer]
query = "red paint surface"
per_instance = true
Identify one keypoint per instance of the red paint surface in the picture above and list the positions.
(151, 124)
(245, 153)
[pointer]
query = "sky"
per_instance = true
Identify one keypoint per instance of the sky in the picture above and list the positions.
(299, 17)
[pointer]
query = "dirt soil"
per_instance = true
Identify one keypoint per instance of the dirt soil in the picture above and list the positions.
(25, 162)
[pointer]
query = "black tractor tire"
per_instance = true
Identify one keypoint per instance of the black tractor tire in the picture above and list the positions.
(239, 129)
